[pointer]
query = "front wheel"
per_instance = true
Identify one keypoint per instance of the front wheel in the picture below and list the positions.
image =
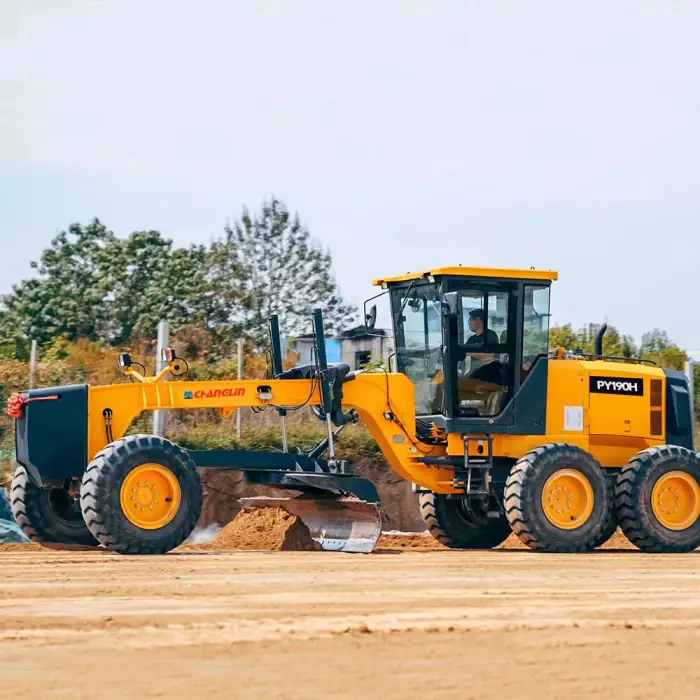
(141, 495)
(459, 525)
(47, 515)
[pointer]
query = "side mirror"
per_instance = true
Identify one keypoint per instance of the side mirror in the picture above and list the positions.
(124, 360)
(452, 304)
(167, 355)
(371, 318)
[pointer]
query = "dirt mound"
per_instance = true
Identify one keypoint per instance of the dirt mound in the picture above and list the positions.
(267, 529)
(618, 541)
(424, 542)
(47, 547)
(418, 542)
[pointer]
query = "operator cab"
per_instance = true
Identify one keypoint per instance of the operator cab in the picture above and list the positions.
(469, 338)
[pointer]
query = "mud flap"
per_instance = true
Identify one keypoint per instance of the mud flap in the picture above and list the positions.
(337, 525)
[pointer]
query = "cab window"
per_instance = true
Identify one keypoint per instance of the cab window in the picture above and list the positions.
(535, 325)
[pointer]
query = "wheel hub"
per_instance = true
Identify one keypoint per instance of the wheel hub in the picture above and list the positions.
(65, 507)
(150, 496)
(675, 500)
(567, 499)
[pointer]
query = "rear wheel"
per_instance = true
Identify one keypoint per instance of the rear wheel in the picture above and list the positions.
(657, 497)
(47, 515)
(141, 495)
(608, 532)
(459, 525)
(558, 499)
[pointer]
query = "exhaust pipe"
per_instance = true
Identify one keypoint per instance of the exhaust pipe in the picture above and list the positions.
(598, 342)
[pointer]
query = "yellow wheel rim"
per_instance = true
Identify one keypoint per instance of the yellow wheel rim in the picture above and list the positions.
(150, 496)
(567, 499)
(675, 500)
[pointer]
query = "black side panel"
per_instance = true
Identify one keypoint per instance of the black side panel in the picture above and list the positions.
(526, 414)
(679, 421)
(51, 438)
(288, 470)
(253, 460)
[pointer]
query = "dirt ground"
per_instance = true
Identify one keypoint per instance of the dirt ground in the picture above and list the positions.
(408, 621)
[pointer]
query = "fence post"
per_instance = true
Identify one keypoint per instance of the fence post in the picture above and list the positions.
(163, 341)
(32, 365)
(240, 376)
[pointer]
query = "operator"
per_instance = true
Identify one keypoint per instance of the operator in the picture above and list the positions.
(479, 359)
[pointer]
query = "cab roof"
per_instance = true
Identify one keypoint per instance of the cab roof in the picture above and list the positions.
(460, 271)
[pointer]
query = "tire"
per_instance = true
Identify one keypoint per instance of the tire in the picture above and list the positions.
(645, 526)
(106, 495)
(585, 487)
(613, 523)
(451, 524)
(47, 515)
(608, 532)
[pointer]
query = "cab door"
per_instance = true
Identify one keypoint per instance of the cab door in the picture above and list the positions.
(482, 339)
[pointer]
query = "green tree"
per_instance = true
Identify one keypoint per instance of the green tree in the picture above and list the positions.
(69, 295)
(614, 342)
(151, 280)
(286, 273)
(565, 337)
(657, 346)
(91, 284)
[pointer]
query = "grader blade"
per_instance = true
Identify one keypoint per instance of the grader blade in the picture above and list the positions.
(337, 525)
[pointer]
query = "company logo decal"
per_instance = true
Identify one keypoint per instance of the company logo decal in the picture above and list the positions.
(622, 386)
(214, 393)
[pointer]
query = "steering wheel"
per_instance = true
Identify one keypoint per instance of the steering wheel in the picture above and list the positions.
(494, 364)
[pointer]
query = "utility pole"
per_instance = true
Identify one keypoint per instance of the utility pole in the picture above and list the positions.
(32, 365)
(240, 376)
(163, 342)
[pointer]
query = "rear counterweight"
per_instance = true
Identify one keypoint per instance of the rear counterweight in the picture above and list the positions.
(52, 435)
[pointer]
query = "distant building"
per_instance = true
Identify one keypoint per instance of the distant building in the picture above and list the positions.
(304, 344)
(356, 347)
(359, 347)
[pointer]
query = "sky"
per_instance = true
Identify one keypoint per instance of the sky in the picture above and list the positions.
(407, 135)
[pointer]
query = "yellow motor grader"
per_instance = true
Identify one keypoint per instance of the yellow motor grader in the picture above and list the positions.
(497, 432)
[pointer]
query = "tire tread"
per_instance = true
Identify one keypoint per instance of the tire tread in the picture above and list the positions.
(436, 511)
(519, 481)
(634, 521)
(30, 515)
(99, 481)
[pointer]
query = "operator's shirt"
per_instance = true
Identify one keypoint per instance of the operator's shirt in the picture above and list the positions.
(474, 343)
